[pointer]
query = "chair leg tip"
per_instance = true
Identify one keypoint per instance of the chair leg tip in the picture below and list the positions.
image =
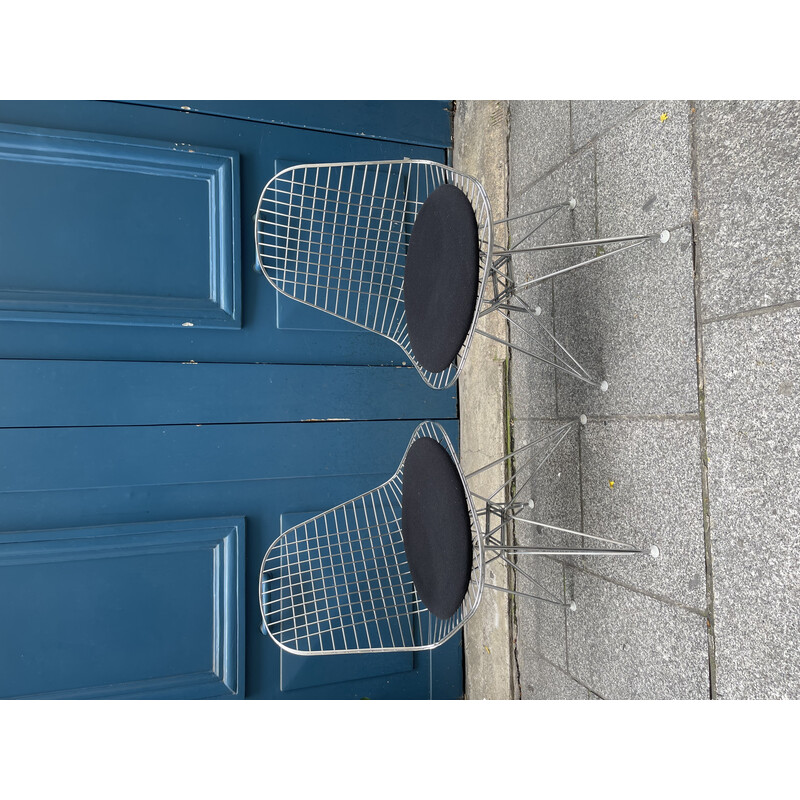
(604, 386)
(654, 551)
(572, 606)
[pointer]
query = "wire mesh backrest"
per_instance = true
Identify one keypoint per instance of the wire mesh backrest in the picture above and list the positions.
(340, 582)
(335, 236)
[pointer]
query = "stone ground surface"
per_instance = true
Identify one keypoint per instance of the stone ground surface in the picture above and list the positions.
(695, 447)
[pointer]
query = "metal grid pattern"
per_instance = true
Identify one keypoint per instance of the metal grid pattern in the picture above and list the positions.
(340, 583)
(335, 237)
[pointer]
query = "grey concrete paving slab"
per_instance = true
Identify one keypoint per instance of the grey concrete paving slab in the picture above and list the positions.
(752, 384)
(532, 382)
(644, 171)
(625, 645)
(538, 141)
(533, 387)
(590, 118)
(748, 173)
(641, 484)
(541, 626)
(547, 473)
(629, 320)
(543, 681)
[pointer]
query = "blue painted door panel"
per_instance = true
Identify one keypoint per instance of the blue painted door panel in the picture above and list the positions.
(134, 393)
(194, 168)
(105, 209)
(124, 611)
(162, 414)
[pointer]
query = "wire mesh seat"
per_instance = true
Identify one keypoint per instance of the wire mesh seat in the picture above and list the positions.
(402, 567)
(406, 249)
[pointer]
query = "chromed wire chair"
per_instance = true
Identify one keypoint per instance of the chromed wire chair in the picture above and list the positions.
(341, 582)
(405, 248)
(403, 566)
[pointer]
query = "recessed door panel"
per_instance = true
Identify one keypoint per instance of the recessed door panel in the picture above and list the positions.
(128, 232)
(123, 611)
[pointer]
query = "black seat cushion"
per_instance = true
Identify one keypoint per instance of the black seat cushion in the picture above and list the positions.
(436, 528)
(441, 277)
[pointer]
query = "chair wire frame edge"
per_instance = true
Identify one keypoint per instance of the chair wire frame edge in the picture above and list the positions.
(356, 594)
(322, 232)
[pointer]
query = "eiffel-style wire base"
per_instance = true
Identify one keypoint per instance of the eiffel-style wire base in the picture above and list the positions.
(503, 292)
(501, 516)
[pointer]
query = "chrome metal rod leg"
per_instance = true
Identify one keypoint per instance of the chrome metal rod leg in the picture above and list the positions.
(566, 551)
(541, 278)
(568, 204)
(574, 373)
(663, 236)
(557, 432)
(555, 341)
(653, 550)
(518, 593)
(571, 203)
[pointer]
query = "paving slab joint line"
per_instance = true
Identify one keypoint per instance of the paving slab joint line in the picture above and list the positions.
(687, 417)
(566, 672)
(513, 617)
(691, 416)
(515, 679)
(701, 401)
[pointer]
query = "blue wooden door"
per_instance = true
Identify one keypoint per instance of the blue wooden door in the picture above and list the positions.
(163, 414)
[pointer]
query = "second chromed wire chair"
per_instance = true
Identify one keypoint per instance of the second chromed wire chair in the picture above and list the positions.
(403, 566)
(406, 248)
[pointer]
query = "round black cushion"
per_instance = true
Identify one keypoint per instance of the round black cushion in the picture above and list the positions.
(436, 529)
(441, 277)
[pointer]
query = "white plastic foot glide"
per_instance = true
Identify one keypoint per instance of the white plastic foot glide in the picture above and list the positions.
(583, 419)
(664, 237)
(537, 311)
(604, 386)
(530, 503)
(654, 551)
(572, 203)
(572, 606)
